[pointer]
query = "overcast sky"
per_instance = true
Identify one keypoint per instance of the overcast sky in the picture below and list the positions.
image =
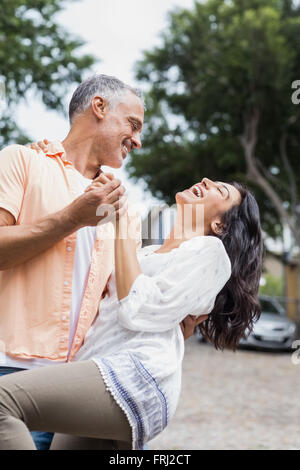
(116, 32)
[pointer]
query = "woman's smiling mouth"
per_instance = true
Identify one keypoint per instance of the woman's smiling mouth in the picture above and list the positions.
(197, 190)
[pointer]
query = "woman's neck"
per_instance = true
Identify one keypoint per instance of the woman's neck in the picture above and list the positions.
(178, 235)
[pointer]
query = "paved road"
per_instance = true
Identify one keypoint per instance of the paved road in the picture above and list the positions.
(243, 400)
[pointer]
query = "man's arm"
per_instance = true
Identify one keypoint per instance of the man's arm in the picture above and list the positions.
(20, 243)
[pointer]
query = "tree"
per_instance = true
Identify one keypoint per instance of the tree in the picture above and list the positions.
(35, 54)
(273, 286)
(219, 104)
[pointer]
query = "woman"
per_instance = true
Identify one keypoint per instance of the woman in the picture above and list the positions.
(130, 388)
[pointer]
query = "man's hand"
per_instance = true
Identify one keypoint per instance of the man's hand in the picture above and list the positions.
(98, 182)
(100, 203)
(189, 324)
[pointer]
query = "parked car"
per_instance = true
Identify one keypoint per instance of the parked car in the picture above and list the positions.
(274, 330)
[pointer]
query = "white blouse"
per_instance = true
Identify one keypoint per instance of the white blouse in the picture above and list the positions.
(137, 342)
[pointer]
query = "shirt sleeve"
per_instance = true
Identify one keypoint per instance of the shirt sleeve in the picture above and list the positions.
(189, 285)
(13, 175)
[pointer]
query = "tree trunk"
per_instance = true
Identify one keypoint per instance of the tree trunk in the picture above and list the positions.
(248, 141)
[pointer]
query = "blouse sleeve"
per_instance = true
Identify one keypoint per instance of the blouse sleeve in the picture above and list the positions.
(189, 285)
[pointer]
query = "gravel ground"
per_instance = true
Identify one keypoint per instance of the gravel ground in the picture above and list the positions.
(242, 400)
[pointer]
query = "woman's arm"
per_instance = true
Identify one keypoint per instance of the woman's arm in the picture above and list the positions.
(127, 267)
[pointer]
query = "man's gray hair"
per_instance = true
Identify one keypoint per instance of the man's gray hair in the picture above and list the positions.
(110, 88)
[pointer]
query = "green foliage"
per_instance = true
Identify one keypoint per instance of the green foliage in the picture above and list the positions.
(215, 64)
(274, 286)
(36, 54)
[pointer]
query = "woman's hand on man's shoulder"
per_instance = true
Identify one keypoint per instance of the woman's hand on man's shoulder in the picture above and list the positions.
(40, 146)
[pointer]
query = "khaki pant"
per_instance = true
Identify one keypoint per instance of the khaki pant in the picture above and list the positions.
(68, 399)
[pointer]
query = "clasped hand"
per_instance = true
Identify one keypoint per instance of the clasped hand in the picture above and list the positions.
(118, 210)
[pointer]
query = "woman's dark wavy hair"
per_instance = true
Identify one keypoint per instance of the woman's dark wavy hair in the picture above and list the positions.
(237, 306)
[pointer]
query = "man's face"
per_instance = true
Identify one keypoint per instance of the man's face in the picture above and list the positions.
(119, 130)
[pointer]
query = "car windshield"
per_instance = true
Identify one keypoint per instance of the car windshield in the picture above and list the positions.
(268, 306)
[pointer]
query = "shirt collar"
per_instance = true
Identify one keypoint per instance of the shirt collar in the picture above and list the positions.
(56, 149)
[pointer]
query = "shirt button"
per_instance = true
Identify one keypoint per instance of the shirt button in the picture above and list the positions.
(64, 317)
(69, 248)
(66, 283)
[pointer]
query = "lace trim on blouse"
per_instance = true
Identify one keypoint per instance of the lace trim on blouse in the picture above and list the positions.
(138, 395)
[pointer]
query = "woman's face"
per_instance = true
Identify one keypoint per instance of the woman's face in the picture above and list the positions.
(210, 199)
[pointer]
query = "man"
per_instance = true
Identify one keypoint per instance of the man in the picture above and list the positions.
(55, 255)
